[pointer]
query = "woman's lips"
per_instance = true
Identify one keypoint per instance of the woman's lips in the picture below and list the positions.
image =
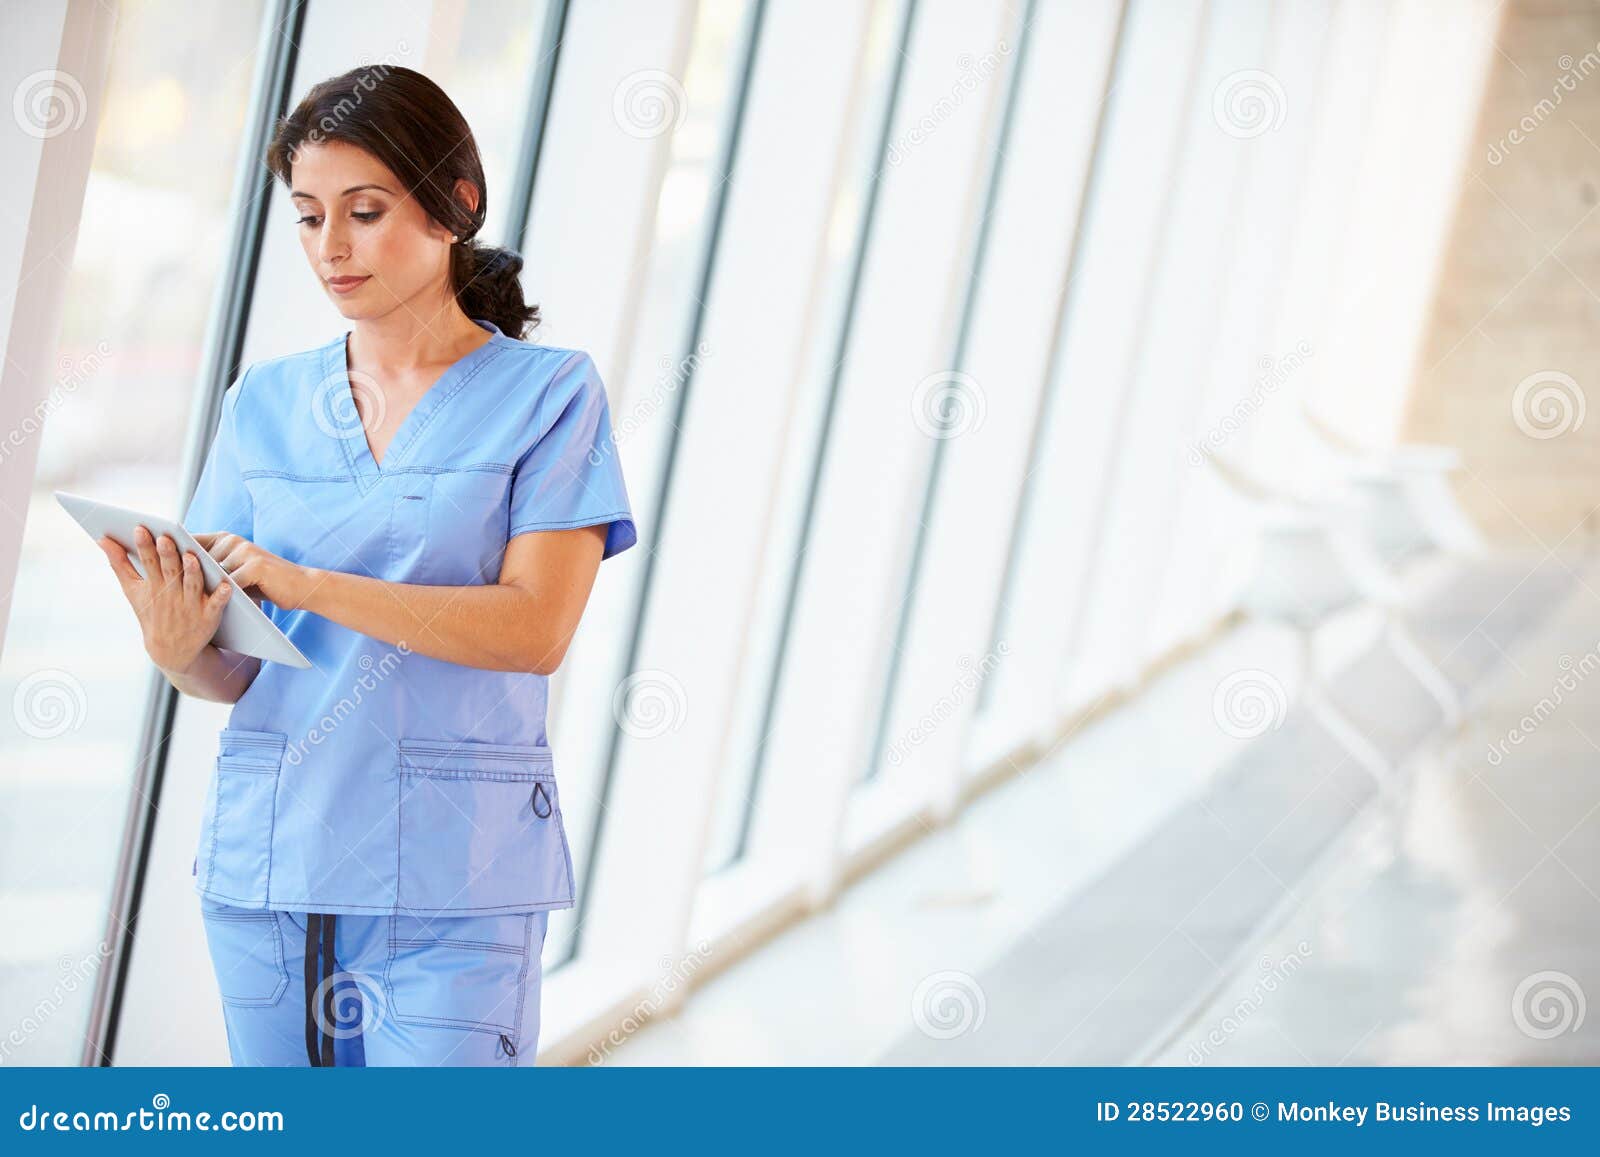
(346, 284)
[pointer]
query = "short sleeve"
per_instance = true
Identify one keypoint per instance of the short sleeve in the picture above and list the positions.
(220, 500)
(571, 476)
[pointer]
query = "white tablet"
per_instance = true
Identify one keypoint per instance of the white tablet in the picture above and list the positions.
(244, 628)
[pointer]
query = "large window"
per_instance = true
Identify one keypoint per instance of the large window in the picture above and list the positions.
(156, 219)
(911, 315)
(1127, 212)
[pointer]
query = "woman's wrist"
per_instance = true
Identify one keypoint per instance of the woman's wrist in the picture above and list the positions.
(313, 585)
(190, 676)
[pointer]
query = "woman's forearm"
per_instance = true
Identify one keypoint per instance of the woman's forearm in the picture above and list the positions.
(494, 626)
(217, 674)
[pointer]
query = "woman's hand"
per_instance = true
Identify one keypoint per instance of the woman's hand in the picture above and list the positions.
(260, 573)
(176, 615)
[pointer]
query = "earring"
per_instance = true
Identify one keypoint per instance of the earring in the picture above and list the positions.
(453, 238)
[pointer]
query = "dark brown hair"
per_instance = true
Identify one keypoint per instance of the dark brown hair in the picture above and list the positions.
(406, 121)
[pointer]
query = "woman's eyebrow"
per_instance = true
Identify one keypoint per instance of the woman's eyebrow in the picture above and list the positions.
(347, 192)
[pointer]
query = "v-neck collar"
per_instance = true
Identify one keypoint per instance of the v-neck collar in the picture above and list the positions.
(364, 468)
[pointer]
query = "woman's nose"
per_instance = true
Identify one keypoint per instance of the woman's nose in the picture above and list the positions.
(330, 242)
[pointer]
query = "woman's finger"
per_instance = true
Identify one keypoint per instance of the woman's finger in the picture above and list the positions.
(121, 565)
(209, 541)
(145, 544)
(214, 603)
(194, 584)
(243, 574)
(228, 551)
(171, 564)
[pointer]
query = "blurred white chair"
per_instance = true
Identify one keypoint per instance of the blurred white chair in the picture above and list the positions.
(1319, 555)
(1411, 504)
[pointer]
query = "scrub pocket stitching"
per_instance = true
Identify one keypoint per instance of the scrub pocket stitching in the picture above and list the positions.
(421, 760)
(486, 1026)
(246, 764)
(522, 988)
(279, 964)
(487, 496)
(394, 522)
(566, 849)
(547, 778)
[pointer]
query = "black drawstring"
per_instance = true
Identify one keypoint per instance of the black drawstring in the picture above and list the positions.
(327, 989)
(319, 945)
(313, 952)
(539, 790)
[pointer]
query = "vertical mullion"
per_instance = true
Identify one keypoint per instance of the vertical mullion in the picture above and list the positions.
(814, 484)
(524, 176)
(958, 356)
(1086, 204)
(1159, 251)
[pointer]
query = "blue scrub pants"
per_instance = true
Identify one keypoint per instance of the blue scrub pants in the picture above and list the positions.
(302, 989)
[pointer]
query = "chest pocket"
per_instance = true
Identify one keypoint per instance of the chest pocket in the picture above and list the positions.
(449, 528)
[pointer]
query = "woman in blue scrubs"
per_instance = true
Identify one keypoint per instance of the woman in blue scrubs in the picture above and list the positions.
(421, 504)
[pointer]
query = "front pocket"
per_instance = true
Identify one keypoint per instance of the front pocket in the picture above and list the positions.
(458, 972)
(247, 955)
(449, 527)
(480, 828)
(237, 845)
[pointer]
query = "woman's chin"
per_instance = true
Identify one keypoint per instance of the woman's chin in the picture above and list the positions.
(352, 310)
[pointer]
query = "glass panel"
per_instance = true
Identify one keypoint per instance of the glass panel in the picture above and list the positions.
(646, 387)
(1128, 204)
(737, 786)
(144, 274)
(1182, 317)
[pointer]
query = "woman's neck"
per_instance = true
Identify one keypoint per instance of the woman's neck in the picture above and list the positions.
(408, 339)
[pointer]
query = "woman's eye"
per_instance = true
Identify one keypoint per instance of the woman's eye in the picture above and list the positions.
(314, 220)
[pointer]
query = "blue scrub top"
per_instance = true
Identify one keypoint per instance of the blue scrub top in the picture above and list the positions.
(379, 779)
